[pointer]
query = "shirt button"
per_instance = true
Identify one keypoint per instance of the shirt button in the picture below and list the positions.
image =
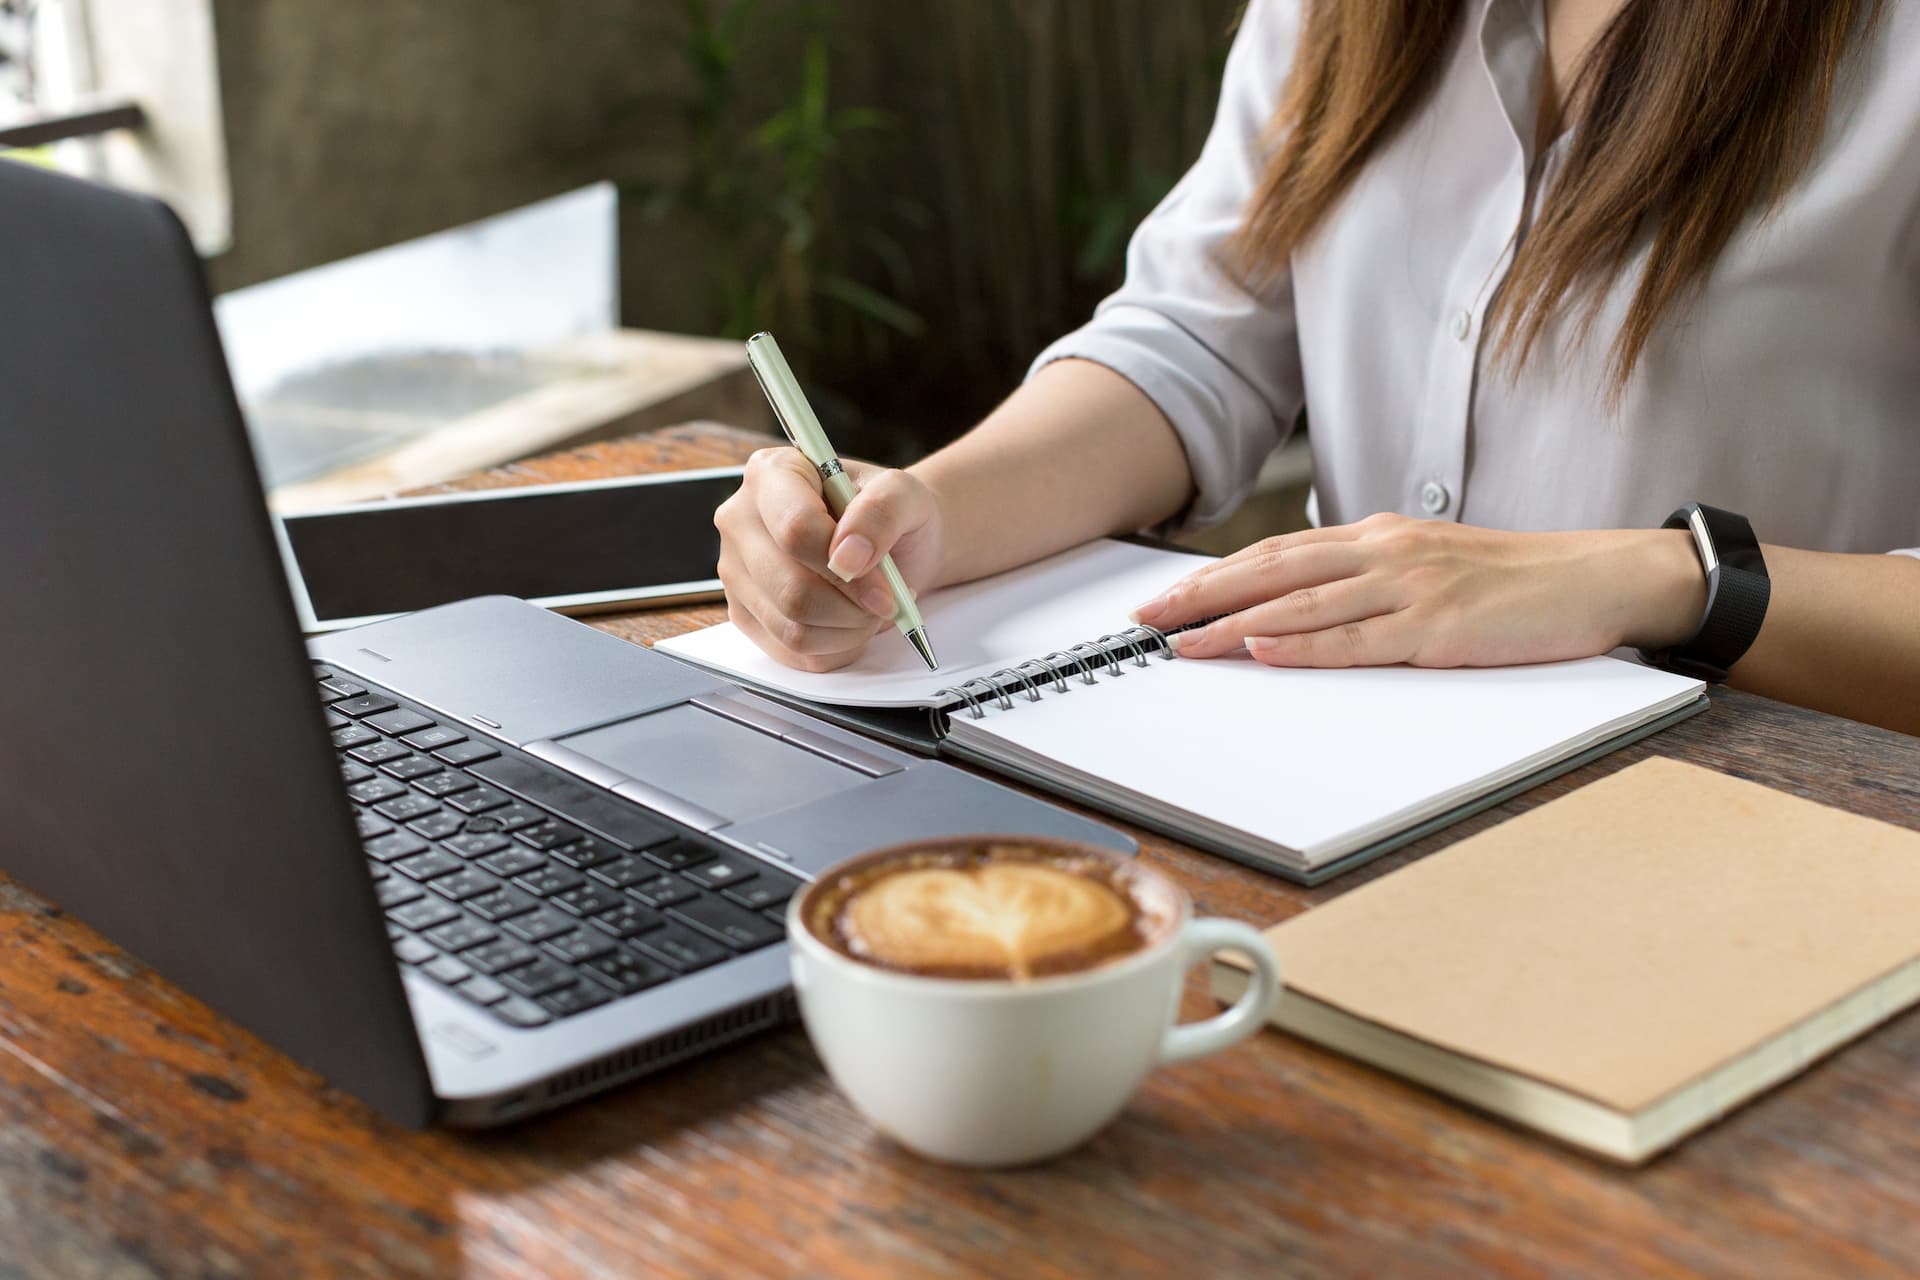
(1462, 325)
(1434, 497)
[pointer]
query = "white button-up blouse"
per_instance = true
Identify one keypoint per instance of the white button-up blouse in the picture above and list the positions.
(1788, 389)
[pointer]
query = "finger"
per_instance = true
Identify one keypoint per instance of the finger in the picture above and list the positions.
(1273, 573)
(794, 514)
(769, 644)
(889, 506)
(1313, 608)
(793, 590)
(1375, 641)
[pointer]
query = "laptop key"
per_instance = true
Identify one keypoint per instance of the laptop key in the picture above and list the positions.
(463, 884)
(588, 899)
(353, 736)
(578, 998)
(547, 834)
(482, 990)
(444, 783)
(461, 933)
(365, 705)
(540, 924)
(579, 946)
(397, 844)
(511, 862)
(738, 928)
(550, 880)
(447, 970)
(337, 721)
(520, 1012)
(352, 771)
(336, 688)
(410, 767)
(374, 790)
(502, 904)
(400, 721)
(515, 816)
(472, 844)
(583, 854)
(466, 753)
(500, 955)
(425, 866)
(379, 752)
(436, 825)
(677, 854)
(433, 739)
(368, 825)
(681, 949)
(406, 808)
(580, 803)
(479, 800)
(719, 873)
(413, 951)
(620, 870)
(628, 920)
(662, 890)
(763, 892)
(423, 914)
(392, 893)
(627, 971)
(538, 978)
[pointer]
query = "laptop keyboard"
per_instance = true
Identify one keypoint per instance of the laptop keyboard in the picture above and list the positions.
(523, 889)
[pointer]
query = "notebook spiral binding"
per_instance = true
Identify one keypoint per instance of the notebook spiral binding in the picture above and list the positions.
(1085, 662)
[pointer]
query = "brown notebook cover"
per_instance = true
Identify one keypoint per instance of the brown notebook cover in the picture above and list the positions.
(1620, 965)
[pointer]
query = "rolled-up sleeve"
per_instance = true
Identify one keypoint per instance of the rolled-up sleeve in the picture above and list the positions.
(1222, 363)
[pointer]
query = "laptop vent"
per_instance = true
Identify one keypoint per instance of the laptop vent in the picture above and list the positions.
(668, 1049)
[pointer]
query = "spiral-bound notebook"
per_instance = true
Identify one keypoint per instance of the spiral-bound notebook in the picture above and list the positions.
(1305, 773)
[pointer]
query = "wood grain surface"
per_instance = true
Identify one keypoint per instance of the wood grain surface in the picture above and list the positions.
(141, 1136)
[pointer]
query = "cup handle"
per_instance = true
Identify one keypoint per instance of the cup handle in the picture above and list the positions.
(1200, 940)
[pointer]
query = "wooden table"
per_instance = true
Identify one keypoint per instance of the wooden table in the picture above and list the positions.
(141, 1136)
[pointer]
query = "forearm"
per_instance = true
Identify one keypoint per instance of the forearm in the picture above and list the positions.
(1078, 452)
(1842, 634)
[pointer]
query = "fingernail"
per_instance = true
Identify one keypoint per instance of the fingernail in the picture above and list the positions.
(1185, 640)
(854, 557)
(878, 601)
(1260, 644)
(1150, 610)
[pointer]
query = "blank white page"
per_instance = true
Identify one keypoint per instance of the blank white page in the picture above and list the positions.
(976, 629)
(1325, 762)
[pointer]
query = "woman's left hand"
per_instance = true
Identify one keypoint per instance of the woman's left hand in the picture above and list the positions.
(1393, 589)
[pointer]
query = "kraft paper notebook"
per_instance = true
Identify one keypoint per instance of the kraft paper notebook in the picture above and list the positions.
(1621, 966)
(1304, 773)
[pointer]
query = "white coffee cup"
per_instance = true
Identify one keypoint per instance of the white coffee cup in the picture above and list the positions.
(991, 1072)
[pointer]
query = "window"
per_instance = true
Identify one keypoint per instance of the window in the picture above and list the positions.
(124, 91)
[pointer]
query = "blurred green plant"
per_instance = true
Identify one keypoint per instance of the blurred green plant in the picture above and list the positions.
(782, 251)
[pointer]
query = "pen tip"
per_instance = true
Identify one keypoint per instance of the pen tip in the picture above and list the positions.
(918, 638)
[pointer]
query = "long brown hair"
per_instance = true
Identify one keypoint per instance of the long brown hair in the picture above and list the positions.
(1690, 115)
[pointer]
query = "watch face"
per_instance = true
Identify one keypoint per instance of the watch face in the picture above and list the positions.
(1702, 539)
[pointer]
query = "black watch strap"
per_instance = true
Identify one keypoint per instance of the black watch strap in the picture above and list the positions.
(1737, 593)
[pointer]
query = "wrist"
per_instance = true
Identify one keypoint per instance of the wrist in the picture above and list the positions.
(1662, 586)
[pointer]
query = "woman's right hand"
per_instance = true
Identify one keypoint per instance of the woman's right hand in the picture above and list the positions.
(806, 588)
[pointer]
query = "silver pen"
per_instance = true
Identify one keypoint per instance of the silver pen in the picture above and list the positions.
(803, 430)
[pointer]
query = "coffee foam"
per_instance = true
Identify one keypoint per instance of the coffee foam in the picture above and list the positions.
(992, 911)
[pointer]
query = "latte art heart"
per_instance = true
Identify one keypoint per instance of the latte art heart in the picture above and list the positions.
(998, 918)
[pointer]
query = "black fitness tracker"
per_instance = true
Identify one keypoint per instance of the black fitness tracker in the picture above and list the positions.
(1737, 592)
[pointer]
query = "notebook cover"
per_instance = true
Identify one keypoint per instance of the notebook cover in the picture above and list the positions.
(1626, 939)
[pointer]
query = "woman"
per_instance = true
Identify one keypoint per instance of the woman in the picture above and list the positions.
(1538, 276)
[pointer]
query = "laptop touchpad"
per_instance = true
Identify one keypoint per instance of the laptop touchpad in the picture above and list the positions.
(724, 767)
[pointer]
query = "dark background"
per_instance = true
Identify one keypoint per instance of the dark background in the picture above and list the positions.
(915, 196)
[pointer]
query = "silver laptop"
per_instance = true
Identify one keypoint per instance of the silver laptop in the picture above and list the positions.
(469, 863)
